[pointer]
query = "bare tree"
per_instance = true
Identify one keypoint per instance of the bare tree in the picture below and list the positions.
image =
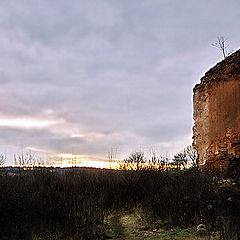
(160, 162)
(26, 159)
(154, 159)
(180, 159)
(136, 158)
(191, 154)
(222, 44)
(112, 156)
(2, 159)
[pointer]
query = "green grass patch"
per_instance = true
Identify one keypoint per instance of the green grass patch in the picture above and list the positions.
(175, 234)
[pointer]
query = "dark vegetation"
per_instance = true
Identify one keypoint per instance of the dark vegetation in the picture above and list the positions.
(47, 205)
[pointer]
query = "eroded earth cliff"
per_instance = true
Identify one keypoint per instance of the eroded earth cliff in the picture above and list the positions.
(216, 103)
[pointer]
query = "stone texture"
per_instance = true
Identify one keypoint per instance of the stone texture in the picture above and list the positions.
(216, 103)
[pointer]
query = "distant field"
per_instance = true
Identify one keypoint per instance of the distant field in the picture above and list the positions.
(100, 204)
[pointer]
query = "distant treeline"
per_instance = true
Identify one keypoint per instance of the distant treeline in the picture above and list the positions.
(46, 205)
(135, 161)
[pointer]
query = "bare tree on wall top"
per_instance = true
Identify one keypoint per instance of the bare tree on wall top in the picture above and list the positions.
(222, 44)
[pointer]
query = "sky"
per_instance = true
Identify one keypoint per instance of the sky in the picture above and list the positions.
(85, 77)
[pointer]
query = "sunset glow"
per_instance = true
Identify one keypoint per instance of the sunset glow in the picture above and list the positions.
(77, 160)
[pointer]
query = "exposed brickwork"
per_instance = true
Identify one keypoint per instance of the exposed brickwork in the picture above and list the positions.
(216, 103)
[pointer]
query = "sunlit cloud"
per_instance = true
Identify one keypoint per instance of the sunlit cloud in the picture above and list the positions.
(66, 155)
(77, 135)
(26, 123)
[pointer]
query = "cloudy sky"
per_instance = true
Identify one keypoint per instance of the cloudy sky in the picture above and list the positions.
(83, 77)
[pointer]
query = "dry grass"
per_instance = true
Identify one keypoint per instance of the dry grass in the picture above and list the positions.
(45, 205)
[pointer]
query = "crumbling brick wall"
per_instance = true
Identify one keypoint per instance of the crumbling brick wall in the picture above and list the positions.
(216, 103)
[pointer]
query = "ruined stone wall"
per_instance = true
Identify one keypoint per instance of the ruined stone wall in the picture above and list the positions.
(216, 104)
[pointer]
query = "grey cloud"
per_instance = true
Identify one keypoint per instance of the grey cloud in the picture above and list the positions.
(165, 132)
(42, 139)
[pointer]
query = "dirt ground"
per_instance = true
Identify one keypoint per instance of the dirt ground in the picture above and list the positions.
(131, 227)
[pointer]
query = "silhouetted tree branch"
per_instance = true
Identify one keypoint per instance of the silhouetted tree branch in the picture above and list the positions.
(191, 154)
(2, 159)
(136, 158)
(180, 159)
